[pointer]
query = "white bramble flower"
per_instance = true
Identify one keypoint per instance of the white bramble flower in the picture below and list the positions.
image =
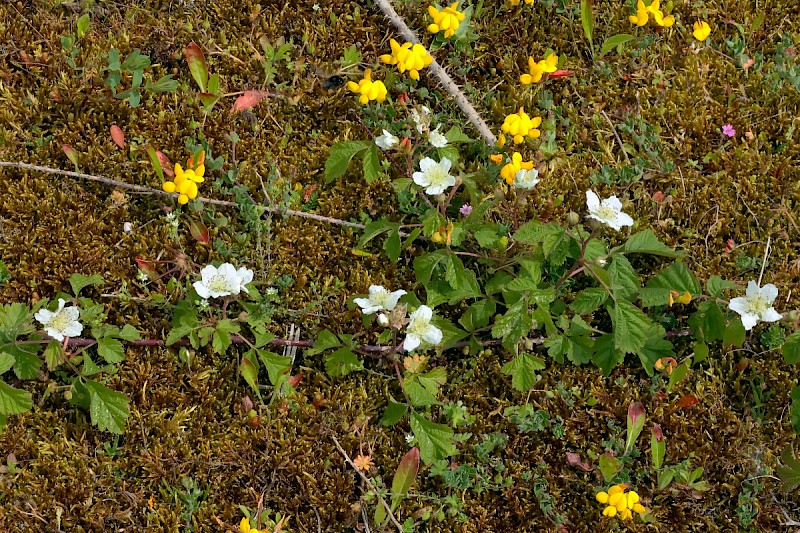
(609, 212)
(379, 299)
(61, 323)
(387, 141)
(421, 118)
(437, 139)
(756, 305)
(222, 281)
(420, 329)
(435, 176)
(526, 179)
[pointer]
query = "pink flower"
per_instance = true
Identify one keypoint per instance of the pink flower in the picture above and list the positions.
(728, 130)
(465, 210)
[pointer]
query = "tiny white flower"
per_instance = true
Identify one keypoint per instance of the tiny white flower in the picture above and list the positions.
(383, 320)
(222, 281)
(387, 141)
(141, 276)
(63, 322)
(422, 118)
(436, 138)
(420, 329)
(756, 305)
(379, 299)
(435, 176)
(203, 303)
(526, 179)
(271, 291)
(127, 227)
(170, 216)
(609, 212)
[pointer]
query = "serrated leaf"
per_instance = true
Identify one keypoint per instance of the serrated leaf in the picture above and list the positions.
(631, 327)
(656, 347)
(676, 277)
(791, 348)
(522, 370)
(276, 365)
(789, 470)
(646, 242)
(79, 281)
(340, 156)
(221, 339)
(535, 232)
(455, 135)
(393, 246)
(108, 408)
(342, 362)
(425, 264)
(716, 285)
(26, 360)
(14, 401)
(423, 389)
(450, 333)
(435, 440)
(371, 164)
(393, 413)
(588, 300)
(513, 325)
(325, 340)
(7, 361)
(478, 315)
(624, 280)
(708, 322)
(375, 228)
(111, 350)
(606, 357)
(177, 333)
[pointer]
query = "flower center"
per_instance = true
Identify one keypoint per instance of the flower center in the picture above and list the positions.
(417, 326)
(60, 321)
(758, 304)
(218, 283)
(606, 212)
(437, 176)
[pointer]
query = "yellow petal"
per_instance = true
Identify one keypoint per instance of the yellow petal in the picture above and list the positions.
(183, 199)
(610, 511)
(168, 186)
(602, 497)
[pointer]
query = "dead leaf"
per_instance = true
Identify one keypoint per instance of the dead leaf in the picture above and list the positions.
(248, 100)
(687, 401)
(118, 136)
(166, 164)
(574, 459)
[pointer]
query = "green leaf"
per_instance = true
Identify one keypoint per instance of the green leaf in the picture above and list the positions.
(53, 355)
(113, 60)
(7, 361)
(656, 347)
(375, 228)
(197, 65)
(342, 362)
(14, 322)
(393, 413)
(789, 471)
(716, 285)
(478, 315)
(425, 264)
(646, 242)
(455, 135)
(79, 281)
(423, 389)
(111, 350)
(164, 84)
(214, 84)
(276, 365)
(635, 424)
(393, 245)
(435, 440)
(514, 325)
(83, 25)
(325, 340)
(587, 20)
(90, 368)
(791, 348)
(624, 281)
(522, 370)
(156, 162)
(614, 41)
(534, 232)
(608, 465)
(678, 373)
(26, 360)
(108, 408)
(658, 447)
(135, 61)
(734, 334)
(371, 164)
(249, 370)
(588, 300)
(700, 352)
(340, 156)
(606, 356)
(631, 327)
(676, 277)
(794, 409)
(221, 340)
(128, 333)
(14, 401)
(405, 475)
(708, 322)
(177, 333)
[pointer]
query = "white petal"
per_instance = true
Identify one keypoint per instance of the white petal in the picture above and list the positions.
(423, 313)
(446, 164)
(376, 291)
(202, 290)
(748, 321)
(61, 303)
(366, 305)
(411, 342)
(383, 320)
(427, 164)
(54, 333)
(771, 315)
(740, 305)
(613, 202)
(770, 292)
(433, 190)
(624, 220)
(421, 179)
(44, 316)
(391, 301)
(208, 272)
(72, 312)
(432, 335)
(752, 289)
(73, 329)
(592, 201)
(228, 271)
(245, 276)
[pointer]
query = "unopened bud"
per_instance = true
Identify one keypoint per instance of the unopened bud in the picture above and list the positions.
(573, 218)
(383, 320)
(601, 261)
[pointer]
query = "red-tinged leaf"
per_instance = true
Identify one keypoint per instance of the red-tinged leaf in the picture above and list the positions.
(247, 100)
(295, 380)
(118, 136)
(166, 164)
(147, 267)
(574, 459)
(197, 65)
(561, 73)
(405, 475)
(155, 161)
(687, 401)
(199, 231)
(636, 416)
(72, 155)
(658, 433)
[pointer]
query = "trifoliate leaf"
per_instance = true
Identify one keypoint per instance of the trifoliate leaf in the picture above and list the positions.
(656, 347)
(425, 264)
(435, 440)
(522, 370)
(423, 389)
(14, 401)
(340, 156)
(342, 362)
(108, 408)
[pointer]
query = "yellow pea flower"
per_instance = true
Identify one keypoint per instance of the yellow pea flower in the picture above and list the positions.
(521, 125)
(640, 18)
(516, 2)
(539, 68)
(185, 181)
(244, 526)
(408, 58)
(446, 19)
(619, 502)
(509, 171)
(701, 30)
(658, 16)
(368, 89)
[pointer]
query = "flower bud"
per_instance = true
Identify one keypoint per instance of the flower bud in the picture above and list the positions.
(601, 261)
(573, 218)
(383, 320)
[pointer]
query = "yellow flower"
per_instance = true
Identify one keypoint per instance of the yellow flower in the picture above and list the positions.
(368, 89)
(516, 2)
(501, 141)
(658, 15)
(244, 526)
(521, 125)
(640, 19)
(185, 181)
(537, 69)
(620, 502)
(509, 171)
(408, 58)
(446, 20)
(701, 30)
(496, 158)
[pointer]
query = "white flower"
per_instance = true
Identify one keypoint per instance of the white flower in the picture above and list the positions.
(526, 179)
(756, 304)
(127, 227)
(435, 176)
(422, 118)
(63, 322)
(437, 139)
(222, 281)
(379, 299)
(420, 329)
(609, 212)
(387, 141)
